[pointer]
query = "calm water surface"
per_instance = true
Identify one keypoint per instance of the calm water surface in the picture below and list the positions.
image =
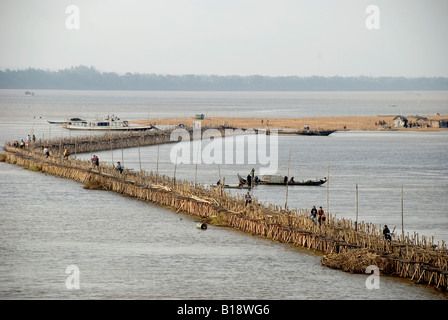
(125, 248)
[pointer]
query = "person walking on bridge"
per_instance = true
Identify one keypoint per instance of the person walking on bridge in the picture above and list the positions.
(314, 214)
(248, 198)
(321, 217)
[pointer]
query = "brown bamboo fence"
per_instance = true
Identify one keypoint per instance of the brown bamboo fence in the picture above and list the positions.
(89, 143)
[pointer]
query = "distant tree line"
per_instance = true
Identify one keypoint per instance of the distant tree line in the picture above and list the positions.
(89, 78)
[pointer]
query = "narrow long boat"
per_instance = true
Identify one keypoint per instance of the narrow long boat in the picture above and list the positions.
(316, 132)
(106, 125)
(282, 180)
(228, 186)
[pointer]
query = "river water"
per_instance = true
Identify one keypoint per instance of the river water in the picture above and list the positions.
(129, 249)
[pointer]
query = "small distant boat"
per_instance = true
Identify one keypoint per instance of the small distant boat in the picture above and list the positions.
(241, 179)
(236, 187)
(316, 132)
(283, 180)
(308, 182)
(29, 93)
(72, 120)
(227, 186)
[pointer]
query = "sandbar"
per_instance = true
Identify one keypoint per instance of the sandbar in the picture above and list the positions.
(359, 123)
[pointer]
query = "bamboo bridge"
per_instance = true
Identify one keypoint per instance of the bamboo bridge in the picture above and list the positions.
(346, 245)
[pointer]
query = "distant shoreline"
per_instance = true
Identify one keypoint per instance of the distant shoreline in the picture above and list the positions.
(90, 78)
(366, 123)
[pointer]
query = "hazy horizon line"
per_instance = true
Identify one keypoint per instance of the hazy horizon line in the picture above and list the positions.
(93, 68)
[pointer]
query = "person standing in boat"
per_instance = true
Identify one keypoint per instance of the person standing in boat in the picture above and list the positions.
(249, 180)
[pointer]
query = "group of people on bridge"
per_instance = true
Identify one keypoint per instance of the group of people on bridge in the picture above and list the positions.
(318, 216)
(24, 143)
(96, 162)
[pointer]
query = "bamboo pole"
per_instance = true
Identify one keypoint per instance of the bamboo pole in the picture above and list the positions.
(196, 165)
(356, 223)
(139, 159)
(111, 149)
(175, 166)
(287, 179)
(328, 191)
(122, 151)
(402, 209)
(157, 166)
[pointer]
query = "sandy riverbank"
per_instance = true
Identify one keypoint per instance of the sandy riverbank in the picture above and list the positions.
(316, 123)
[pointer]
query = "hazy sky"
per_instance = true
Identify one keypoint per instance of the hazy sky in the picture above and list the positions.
(229, 37)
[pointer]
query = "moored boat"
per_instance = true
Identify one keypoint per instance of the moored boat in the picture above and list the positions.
(283, 180)
(71, 120)
(316, 132)
(109, 124)
(228, 186)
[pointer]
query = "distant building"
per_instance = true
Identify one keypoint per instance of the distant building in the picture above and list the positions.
(442, 123)
(400, 122)
(418, 121)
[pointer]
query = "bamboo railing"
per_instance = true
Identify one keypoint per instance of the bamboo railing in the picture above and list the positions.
(115, 140)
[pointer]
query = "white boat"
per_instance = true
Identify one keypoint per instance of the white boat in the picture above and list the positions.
(72, 120)
(109, 124)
